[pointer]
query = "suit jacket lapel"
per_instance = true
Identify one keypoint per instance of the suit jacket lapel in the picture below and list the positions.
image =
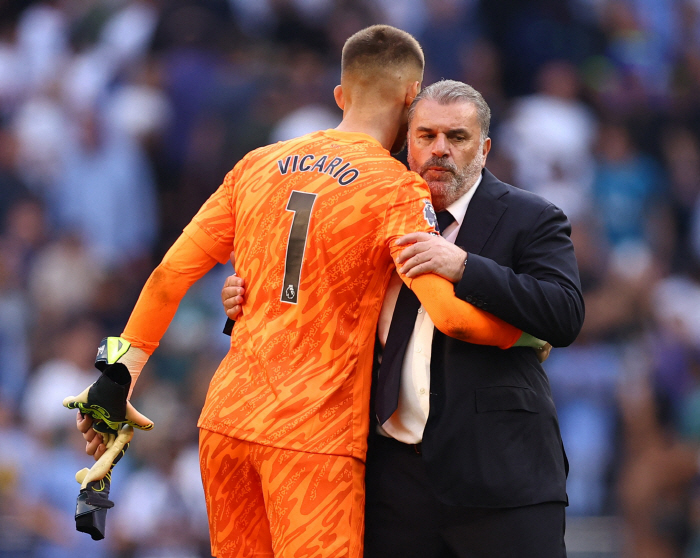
(484, 211)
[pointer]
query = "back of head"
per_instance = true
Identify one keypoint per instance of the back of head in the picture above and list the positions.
(379, 50)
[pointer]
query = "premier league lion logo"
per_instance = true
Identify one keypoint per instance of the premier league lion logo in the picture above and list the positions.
(289, 292)
(429, 214)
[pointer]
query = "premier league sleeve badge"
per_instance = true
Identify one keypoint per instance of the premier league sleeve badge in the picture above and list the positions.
(430, 215)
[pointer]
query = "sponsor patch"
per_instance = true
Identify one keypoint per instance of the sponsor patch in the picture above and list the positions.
(430, 215)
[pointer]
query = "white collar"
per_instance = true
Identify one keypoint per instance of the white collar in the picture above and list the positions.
(458, 209)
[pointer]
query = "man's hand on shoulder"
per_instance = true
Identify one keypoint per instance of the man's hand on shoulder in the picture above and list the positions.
(429, 253)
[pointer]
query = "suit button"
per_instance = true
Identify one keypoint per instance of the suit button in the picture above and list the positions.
(468, 298)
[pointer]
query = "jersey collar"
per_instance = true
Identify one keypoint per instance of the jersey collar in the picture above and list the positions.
(352, 137)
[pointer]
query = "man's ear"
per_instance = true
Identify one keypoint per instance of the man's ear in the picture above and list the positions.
(339, 97)
(485, 149)
(413, 90)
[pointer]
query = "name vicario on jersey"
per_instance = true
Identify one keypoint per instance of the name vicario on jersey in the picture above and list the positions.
(343, 173)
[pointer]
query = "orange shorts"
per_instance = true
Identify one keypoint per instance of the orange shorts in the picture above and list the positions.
(272, 502)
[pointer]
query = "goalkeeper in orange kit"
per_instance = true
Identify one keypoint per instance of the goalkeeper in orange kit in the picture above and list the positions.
(316, 221)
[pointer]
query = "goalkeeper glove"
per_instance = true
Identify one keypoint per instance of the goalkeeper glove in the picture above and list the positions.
(93, 500)
(107, 399)
(542, 348)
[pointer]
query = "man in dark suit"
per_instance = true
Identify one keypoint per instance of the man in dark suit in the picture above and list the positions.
(465, 456)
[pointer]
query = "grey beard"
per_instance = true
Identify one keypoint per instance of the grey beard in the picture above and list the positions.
(446, 193)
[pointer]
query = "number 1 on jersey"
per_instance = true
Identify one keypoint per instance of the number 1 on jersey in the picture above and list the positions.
(301, 204)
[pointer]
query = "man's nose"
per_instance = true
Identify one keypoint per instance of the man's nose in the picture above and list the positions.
(440, 146)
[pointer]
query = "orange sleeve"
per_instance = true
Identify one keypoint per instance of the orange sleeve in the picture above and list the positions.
(182, 266)
(457, 318)
(412, 211)
(213, 226)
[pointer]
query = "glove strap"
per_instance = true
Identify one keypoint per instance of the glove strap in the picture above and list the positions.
(109, 351)
(118, 349)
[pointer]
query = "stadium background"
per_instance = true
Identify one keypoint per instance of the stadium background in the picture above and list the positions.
(118, 118)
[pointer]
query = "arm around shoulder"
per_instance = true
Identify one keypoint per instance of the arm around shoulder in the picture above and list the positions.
(539, 291)
(458, 319)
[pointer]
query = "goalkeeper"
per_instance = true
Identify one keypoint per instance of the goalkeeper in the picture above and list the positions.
(284, 428)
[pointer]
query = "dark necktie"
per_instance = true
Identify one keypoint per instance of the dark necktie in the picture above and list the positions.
(402, 323)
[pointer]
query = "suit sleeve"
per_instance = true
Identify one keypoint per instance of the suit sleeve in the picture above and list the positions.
(412, 211)
(206, 240)
(541, 294)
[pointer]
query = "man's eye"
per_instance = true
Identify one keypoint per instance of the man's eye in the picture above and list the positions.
(459, 138)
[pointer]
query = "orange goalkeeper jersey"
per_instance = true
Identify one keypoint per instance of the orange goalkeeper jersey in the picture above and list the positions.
(311, 222)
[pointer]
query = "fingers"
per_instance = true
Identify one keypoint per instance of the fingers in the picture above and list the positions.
(435, 255)
(100, 451)
(94, 443)
(107, 458)
(83, 422)
(415, 237)
(422, 257)
(95, 446)
(232, 301)
(417, 258)
(232, 295)
(412, 250)
(233, 312)
(424, 242)
(421, 268)
(90, 435)
(234, 281)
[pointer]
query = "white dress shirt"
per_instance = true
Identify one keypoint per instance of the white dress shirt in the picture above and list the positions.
(408, 421)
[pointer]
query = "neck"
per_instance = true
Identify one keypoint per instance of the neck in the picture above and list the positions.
(380, 123)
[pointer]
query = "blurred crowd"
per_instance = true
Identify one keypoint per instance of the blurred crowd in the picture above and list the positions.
(118, 118)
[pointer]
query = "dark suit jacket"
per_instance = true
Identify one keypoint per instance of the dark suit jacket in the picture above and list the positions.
(492, 437)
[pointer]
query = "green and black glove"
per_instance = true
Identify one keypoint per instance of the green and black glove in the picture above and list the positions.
(107, 399)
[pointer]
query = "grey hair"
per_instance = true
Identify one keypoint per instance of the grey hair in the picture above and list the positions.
(446, 92)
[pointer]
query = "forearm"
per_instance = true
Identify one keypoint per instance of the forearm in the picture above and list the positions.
(160, 297)
(459, 319)
(539, 301)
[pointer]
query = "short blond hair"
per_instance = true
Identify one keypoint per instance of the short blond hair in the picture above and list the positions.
(379, 47)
